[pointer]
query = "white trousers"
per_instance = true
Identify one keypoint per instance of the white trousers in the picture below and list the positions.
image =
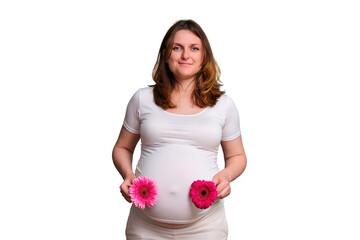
(213, 226)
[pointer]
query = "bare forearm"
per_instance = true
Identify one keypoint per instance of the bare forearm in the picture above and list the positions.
(123, 152)
(235, 166)
(122, 159)
(235, 158)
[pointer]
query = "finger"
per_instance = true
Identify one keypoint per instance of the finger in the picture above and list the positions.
(125, 192)
(126, 196)
(221, 186)
(224, 192)
(216, 181)
(223, 189)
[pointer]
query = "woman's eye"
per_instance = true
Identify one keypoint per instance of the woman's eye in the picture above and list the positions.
(195, 48)
(176, 48)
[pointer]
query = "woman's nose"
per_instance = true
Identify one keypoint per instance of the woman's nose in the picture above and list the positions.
(185, 54)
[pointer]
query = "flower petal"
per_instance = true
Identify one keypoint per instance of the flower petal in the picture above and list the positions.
(203, 201)
(138, 186)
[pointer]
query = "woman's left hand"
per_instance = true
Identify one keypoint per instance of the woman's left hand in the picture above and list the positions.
(222, 183)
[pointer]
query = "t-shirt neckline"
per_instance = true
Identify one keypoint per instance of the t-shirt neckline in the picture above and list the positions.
(185, 115)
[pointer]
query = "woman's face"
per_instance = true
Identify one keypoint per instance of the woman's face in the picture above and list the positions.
(186, 56)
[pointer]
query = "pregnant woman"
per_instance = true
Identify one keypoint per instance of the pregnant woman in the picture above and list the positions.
(181, 120)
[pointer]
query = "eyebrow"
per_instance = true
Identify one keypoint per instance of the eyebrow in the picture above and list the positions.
(192, 44)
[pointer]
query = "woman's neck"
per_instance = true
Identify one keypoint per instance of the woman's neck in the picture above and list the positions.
(184, 87)
(183, 93)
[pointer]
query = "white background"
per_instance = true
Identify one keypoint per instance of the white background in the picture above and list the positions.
(68, 69)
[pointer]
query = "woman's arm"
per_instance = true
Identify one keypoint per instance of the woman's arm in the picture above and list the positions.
(235, 163)
(122, 157)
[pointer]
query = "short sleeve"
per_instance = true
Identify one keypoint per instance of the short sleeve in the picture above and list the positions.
(132, 116)
(231, 128)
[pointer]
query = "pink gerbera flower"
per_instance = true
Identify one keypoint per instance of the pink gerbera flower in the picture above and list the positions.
(143, 191)
(203, 193)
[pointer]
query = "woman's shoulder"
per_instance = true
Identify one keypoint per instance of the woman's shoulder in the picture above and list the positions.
(143, 91)
(143, 95)
(225, 102)
(146, 92)
(223, 99)
(146, 89)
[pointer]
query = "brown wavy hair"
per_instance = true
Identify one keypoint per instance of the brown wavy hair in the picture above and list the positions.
(207, 80)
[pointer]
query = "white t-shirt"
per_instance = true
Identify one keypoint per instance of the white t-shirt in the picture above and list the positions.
(177, 150)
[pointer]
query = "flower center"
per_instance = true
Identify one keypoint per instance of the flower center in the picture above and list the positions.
(204, 192)
(143, 192)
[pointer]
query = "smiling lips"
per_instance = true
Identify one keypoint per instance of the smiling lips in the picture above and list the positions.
(186, 64)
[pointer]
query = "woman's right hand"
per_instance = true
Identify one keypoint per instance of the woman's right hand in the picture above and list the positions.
(124, 187)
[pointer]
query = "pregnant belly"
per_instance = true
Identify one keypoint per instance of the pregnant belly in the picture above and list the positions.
(174, 168)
